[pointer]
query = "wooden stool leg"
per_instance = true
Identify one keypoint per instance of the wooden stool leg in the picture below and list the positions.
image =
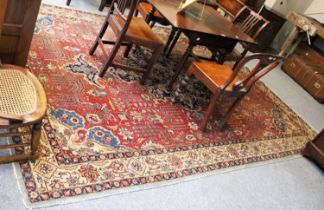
(155, 55)
(209, 111)
(36, 134)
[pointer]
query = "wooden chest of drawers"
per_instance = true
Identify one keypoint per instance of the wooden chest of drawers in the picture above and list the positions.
(306, 66)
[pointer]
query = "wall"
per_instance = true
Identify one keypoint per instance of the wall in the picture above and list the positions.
(283, 7)
(316, 10)
(306, 7)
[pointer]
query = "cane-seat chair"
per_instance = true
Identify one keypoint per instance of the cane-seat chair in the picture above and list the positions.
(22, 108)
(129, 30)
(222, 81)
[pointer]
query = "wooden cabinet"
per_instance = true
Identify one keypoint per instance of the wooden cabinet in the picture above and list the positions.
(305, 65)
(315, 149)
(17, 30)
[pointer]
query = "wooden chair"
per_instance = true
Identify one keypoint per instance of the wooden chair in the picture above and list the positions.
(128, 30)
(22, 108)
(221, 80)
(250, 23)
(151, 16)
(102, 5)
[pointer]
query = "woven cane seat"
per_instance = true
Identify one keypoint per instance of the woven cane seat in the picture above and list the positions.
(23, 106)
(18, 95)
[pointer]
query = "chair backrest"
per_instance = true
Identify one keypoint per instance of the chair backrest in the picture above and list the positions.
(119, 7)
(3, 7)
(250, 22)
(264, 63)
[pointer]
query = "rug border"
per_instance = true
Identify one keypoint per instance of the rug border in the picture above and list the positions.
(131, 189)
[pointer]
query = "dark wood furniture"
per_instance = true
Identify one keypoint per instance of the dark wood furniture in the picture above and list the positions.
(22, 108)
(264, 40)
(102, 5)
(3, 6)
(151, 16)
(303, 63)
(230, 7)
(128, 30)
(305, 66)
(17, 31)
(315, 149)
(221, 80)
(250, 23)
(211, 29)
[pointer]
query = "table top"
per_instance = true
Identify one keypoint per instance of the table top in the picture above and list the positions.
(210, 22)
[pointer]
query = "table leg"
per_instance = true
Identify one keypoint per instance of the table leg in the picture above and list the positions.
(181, 65)
(171, 36)
(174, 42)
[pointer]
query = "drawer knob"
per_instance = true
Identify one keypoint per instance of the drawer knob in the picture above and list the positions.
(317, 85)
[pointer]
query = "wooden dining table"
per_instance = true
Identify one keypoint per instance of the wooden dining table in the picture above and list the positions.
(203, 26)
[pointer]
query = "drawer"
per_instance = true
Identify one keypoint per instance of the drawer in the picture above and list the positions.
(315, 86)
(292, 66)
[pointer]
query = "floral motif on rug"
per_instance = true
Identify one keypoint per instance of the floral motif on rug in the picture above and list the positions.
(112, 132)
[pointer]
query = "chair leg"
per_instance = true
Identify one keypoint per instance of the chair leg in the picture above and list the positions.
(229, 112)
(152, 23)
(102, 5)
(68, 2)
(100, 35)
(156, 53)
(36, 133)
(209, 111)
(110, 58)
(174, 41)
(127, 50)
(179, 68)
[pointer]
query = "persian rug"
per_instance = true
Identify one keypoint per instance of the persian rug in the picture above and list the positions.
(111, 133)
